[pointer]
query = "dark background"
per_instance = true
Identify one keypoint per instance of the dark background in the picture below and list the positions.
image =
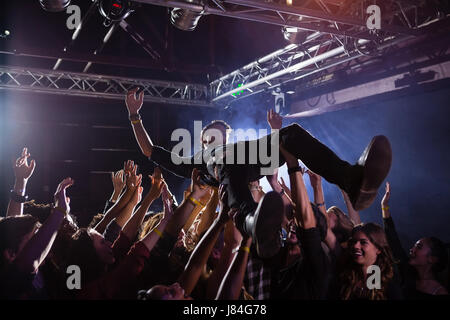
(67, 135)
(63, 134)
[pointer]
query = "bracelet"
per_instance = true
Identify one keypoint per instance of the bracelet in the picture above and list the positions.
(241, 248)
(295, 169)
(320, 204)
(60, 210)
(135, 121)
(158, 232)
(385, 208)
(14, 196)
(134, 117)
(195, 201)
(244, 248)
(282, 192)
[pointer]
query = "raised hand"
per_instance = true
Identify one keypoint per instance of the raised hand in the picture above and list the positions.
(157, 183)
(386, 197)
(61, 199)
(134, 104)
(314, 178)
(23, 170)
(274, 119)
(133, 179)
(137, 195)
(118, 181)
(128, 167)
(196, 185)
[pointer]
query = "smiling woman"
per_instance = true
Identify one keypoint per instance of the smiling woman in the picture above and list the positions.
(368, 246)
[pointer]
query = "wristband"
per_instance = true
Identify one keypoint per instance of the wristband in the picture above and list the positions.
(320, 204)
(385, 208)
(135, 121)
(60, 210)
(241, 248)
(295, 169)
(14, 196)
(195, 201)
(158, 232)
(134, 117)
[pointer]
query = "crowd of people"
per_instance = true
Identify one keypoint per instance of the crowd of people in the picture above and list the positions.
(227, 239)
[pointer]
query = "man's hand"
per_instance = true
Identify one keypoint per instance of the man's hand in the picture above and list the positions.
(274, 119)
(23, 170)
(61, 200)
(134, 104)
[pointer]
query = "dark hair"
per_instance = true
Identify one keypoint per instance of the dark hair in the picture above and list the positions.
(83, 254)
(344, 224)
(41, 211)
(438, 250)
(12, 231)
(352, 274)
(225, 125)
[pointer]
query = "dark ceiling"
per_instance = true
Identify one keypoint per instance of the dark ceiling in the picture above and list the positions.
(217, 46)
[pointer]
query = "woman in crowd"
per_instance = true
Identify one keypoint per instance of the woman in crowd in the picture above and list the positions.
(427, 259)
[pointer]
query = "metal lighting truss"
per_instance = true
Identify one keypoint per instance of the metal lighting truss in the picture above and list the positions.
(296, 61)
(89, 85)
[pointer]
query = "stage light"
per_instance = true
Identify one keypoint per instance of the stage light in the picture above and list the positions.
(294, 35)
(114, 10)
(185, 19)
(5, 34)
(54, 5)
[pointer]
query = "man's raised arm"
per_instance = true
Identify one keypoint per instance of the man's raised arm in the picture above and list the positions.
(134, 105)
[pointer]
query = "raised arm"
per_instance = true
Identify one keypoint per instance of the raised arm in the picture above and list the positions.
(37, 248)
(199, 256)
(132, 226)
(319, 199)
(182, 213)
(389, 227)
(352, 213)
(231, 286)
(131, 182)
(22, 172)
(156, 233)
(232, 239)
(134, 105)
(118, 181)
(316, 184)
(303, 209)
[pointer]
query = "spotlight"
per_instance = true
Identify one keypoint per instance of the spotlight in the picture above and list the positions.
(185, 19)
(294, 35)
(54, 5)
(114, 10)
(5, 34)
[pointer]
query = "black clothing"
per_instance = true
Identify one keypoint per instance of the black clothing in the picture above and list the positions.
(307, 277)
(299, 142)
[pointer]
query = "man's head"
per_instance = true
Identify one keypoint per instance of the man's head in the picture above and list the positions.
(15, 232)
(215, 133)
